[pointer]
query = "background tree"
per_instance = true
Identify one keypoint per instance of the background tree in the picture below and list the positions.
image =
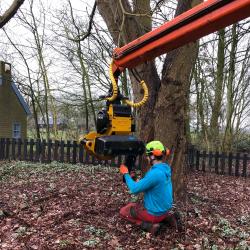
(28, 87)
(221, 90)
(84, 62)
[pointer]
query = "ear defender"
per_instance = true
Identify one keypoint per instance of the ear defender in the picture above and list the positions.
(167, 152)
(157, 149)
(157, 152)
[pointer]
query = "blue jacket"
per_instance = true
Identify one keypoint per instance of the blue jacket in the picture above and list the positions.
(157, 188)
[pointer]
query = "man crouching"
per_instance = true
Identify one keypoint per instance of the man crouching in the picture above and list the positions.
(157, 188)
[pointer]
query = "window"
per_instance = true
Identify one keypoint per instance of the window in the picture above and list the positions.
(6, 67)
(16, 130)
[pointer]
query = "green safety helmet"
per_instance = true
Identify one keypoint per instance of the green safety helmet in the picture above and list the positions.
(156, 148)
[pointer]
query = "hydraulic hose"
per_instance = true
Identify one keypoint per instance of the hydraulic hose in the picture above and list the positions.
(144, 99)
(115, 90)
(114, 84)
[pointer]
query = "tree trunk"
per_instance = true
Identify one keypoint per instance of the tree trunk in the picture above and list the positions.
(228, 135)
(171, 110)
(216, 109)
(200, 82)
(164, 116)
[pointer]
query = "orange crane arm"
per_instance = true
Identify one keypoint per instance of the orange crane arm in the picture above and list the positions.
(193, 24)
(113, 126)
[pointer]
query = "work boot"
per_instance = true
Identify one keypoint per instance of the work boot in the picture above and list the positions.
(153, 228)
(180, 226)
(173, 220)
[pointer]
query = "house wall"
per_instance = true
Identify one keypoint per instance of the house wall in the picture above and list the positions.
(11, 110)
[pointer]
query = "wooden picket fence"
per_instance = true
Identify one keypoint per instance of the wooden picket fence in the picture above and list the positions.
(237, 164)
(46, 152)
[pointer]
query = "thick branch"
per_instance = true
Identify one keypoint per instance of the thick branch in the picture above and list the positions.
(10, 12)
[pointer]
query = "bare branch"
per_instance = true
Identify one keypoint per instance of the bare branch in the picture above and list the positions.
(10, 12)
(86, 34)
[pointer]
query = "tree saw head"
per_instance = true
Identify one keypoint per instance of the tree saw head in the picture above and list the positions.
(114, 126)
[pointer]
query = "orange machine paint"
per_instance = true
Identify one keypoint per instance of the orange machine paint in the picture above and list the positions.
(211, 17)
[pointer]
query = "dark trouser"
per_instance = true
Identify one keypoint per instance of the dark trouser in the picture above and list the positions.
(137, 214)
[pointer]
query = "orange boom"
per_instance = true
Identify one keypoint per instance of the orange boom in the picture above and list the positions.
(193, 24)
(115, 123)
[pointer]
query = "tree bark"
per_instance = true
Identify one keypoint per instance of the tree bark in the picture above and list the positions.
(171, 110)
(216, 109)
(164, 116)
(228, 134)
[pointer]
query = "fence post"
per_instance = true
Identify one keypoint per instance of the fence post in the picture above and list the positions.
(19, 149)
(74, 152)
(204, 161)
(244, 170)
(68, 151)
(49, 150)
(7, 149)
(237, 164)
(222, 161)
(38, 146)
(230, 161)
(31, 149)
(25, 143)
(13, 149)
(43, 147)
(210, 161)
(2, 148)
(216, 162)
(80, 152)
(62, 151)
(197, 159)
(55, 155)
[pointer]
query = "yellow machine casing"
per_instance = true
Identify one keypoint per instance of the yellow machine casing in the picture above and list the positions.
(118, 124)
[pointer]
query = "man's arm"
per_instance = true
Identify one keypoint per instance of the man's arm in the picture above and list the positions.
(137, 187)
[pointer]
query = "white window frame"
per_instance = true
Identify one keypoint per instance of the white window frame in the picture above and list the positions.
(16, 130)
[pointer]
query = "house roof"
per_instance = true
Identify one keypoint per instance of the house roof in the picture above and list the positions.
(20, 98)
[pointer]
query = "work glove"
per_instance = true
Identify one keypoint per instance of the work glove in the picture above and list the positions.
(123, 169)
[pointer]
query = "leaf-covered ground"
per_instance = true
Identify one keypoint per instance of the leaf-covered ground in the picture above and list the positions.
(60, 206)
